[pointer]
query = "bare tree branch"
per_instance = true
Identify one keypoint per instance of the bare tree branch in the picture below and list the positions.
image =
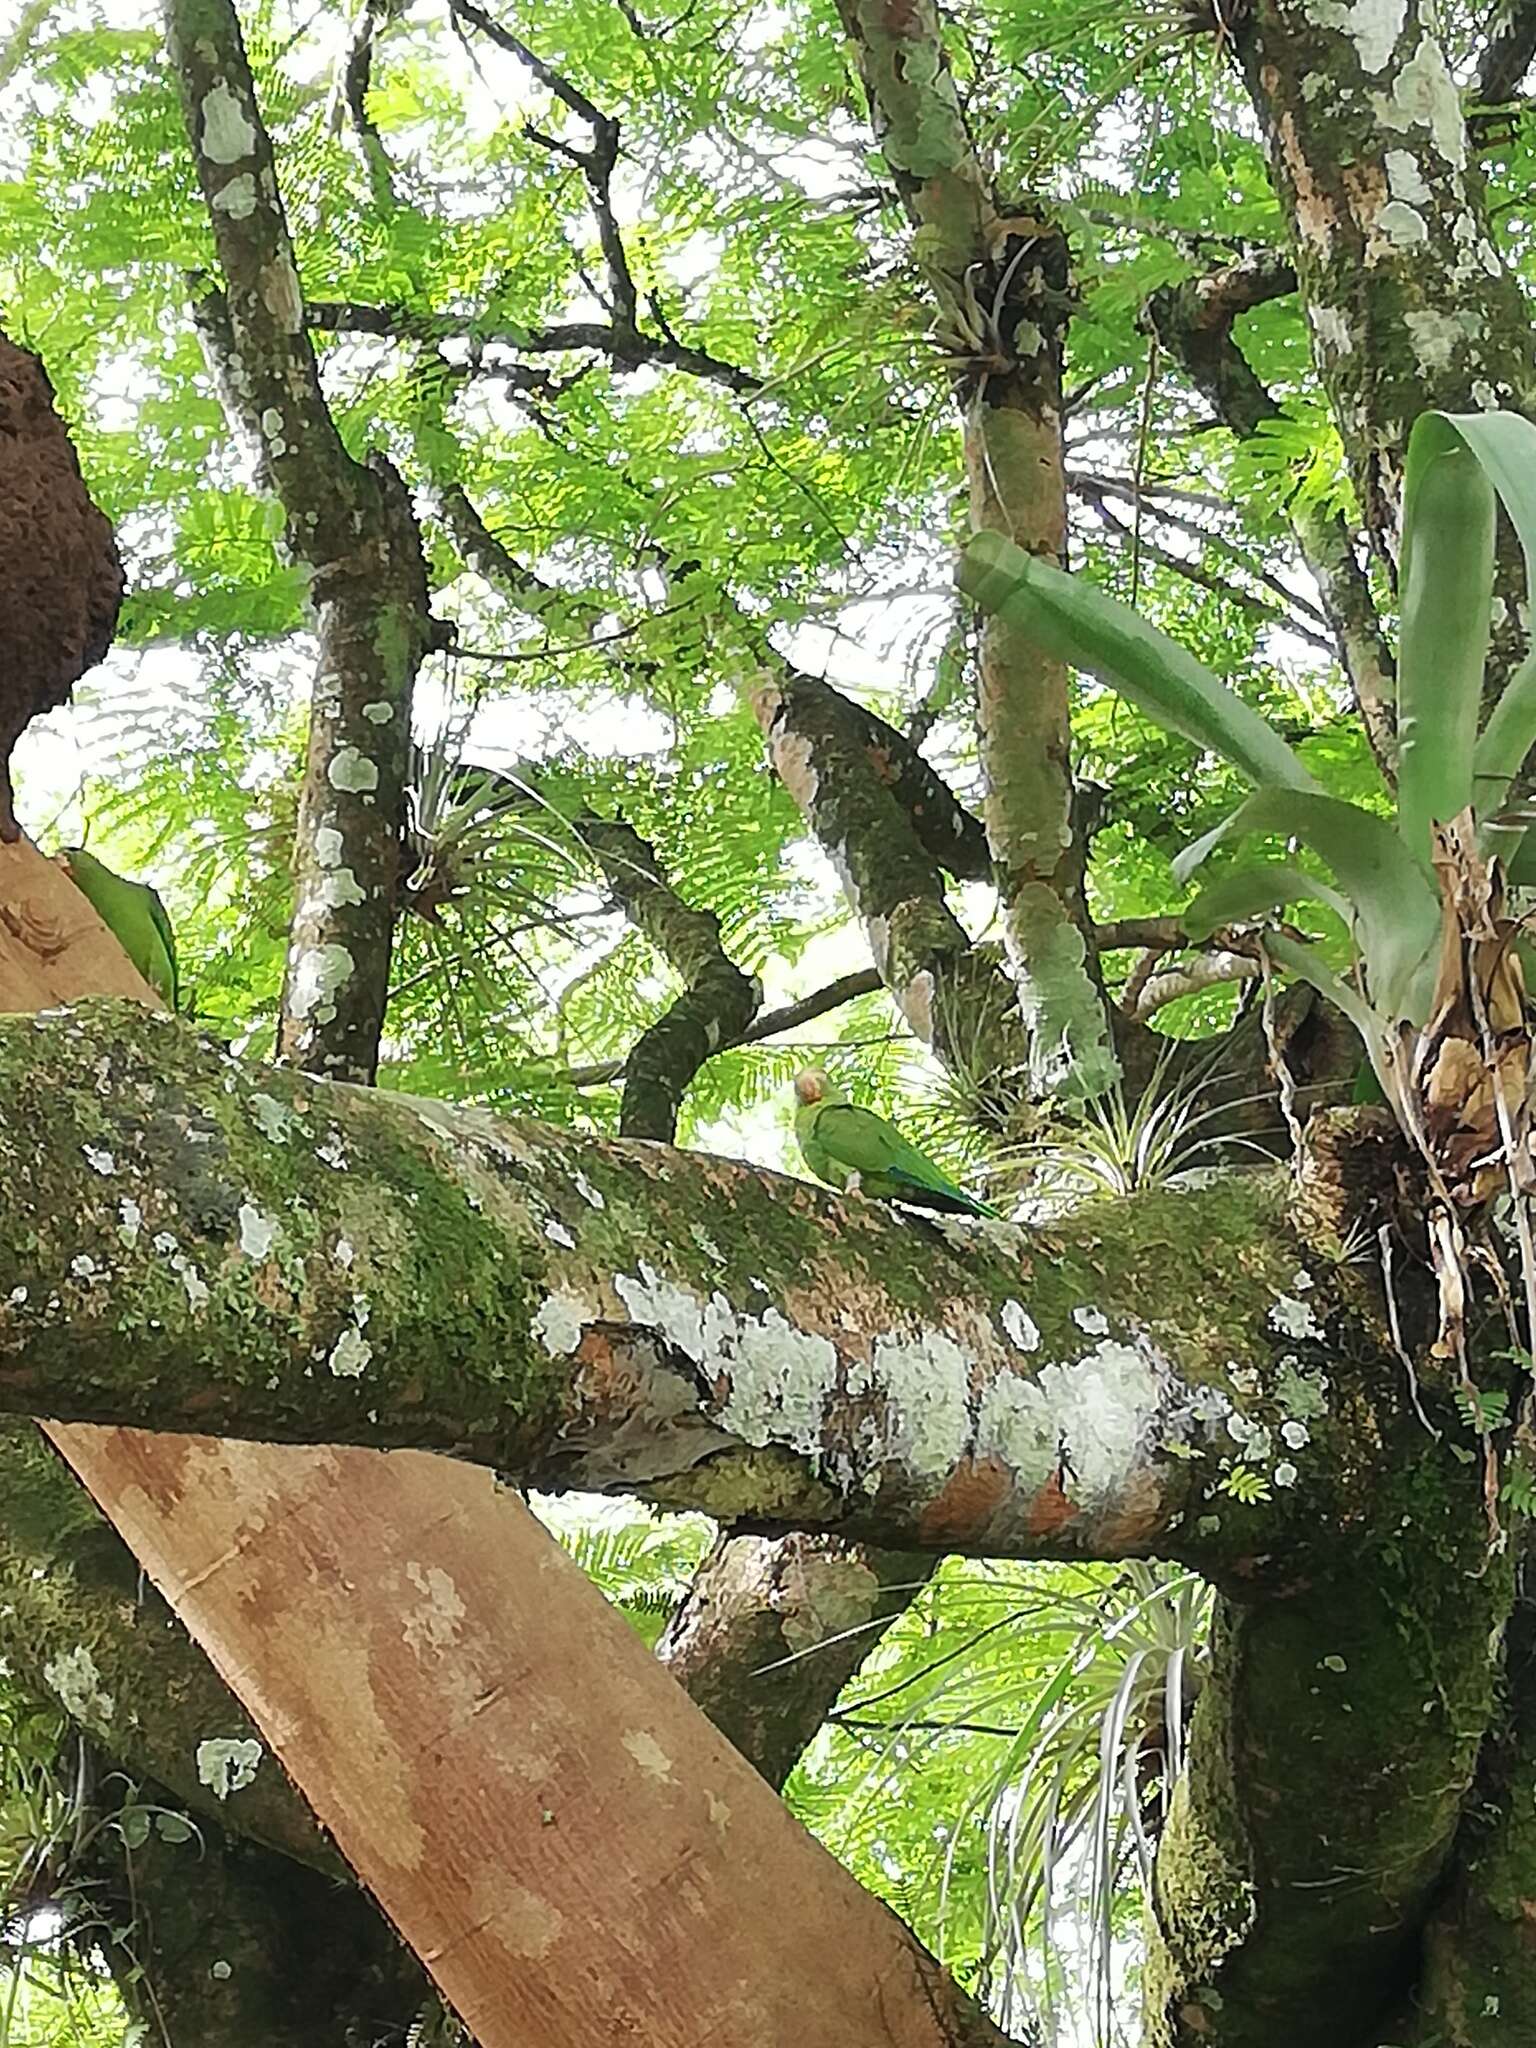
(718, 1001)
(356, 76)
(1507, 54)
(626, 348)
(1196, 572)
(846, 989)
(1207, 970)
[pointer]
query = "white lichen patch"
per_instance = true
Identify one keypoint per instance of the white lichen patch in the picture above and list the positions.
(1285, 1473)
(1302, 1395)
(191, 1280)
(435, 1622)
(228, 1763)
(1090, 1417)
(1425, 96)
(1405, 181)
(1022, 1330)
(1373, 26)
(557, 1233)
(257, 1231)
(1435, 336)
(1403, 225)
(228, 131)
(99, 1159)
(76, 1682)
(237, 198)
(1331, 328)
(328, 846)
(588, 1193)
(317, 976)
(350, 1354)
(925, 1381)
(1091, 1321)
(1294, 1435)
(272, 1118)
(351, 770)
(378, 714)
(781, 1377)
(338, 890)
(82, 1266)
(1294, 1318)
(560, 1321)
(660, 1304)
(648, 1754)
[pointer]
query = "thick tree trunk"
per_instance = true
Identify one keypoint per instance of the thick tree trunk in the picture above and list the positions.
(999, 285)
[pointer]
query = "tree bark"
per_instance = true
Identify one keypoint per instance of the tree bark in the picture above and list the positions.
(351, 525)
(1000, 286)
(310, 1263)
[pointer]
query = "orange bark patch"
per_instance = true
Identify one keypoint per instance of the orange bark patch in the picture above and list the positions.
(969, 1499)
(1050, 1509)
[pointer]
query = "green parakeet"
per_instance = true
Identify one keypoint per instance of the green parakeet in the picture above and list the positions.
(134, 915)
(852, 1148)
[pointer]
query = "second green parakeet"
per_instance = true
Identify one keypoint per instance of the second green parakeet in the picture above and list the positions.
(134, 915)
(852, 1148)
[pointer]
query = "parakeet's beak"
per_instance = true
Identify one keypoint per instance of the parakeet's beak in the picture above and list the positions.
(810, 1085)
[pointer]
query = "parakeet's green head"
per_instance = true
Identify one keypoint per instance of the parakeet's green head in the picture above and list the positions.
(814, 1086)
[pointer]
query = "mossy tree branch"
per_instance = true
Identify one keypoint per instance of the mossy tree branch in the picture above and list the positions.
(718, 1001)
(843, 775)
(299, 1262)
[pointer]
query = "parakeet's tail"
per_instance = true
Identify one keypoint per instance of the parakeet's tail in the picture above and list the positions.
(952, 1200)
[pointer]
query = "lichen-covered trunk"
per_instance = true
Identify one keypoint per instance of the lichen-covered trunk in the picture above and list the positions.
(998, 284)
(1015, 461)
(349, 523)
(371, 625)
(1409, 303)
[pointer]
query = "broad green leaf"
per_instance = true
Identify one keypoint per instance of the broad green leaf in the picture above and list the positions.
(1506, 740)
(1073, 621)
(1503, 445)
(1446, 597)
(1252, 891)
(1395, 912)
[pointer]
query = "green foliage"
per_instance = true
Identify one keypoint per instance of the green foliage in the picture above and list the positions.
(643, 1562)
(1458, 467)
(1038, 1713)
(662, 531)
